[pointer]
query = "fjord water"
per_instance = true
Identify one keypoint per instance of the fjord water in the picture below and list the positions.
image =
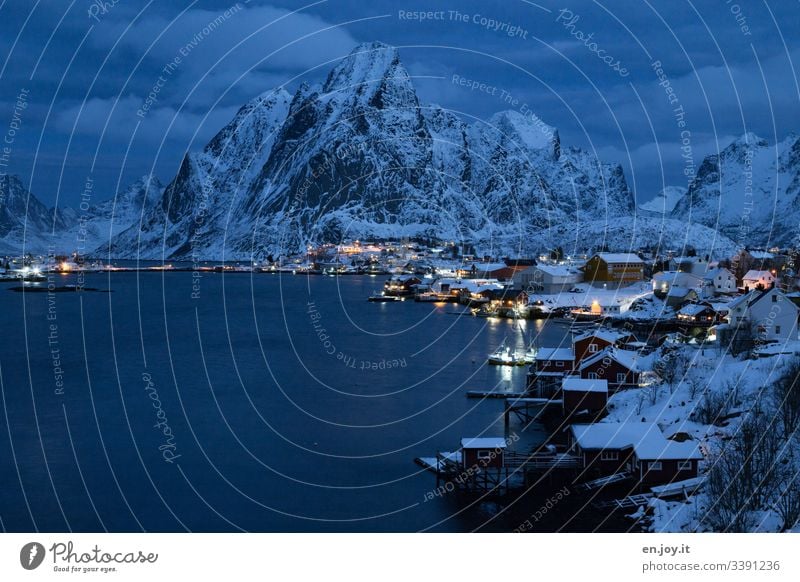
(237, 401)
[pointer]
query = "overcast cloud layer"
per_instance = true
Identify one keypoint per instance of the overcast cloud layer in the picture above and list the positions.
(597, 71)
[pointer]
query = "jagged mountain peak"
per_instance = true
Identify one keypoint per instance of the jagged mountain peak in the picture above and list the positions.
(366, 63)
(748, 139)
(524, 131)
(373, 75)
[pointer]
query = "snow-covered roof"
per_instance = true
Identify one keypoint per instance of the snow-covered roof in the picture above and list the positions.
(632, 360)
(615, 435)
(676, 291)
(604, 334)
(753, 275)
(692, 309)
(653, 450)
(483, 443)
(741, 299)
(629, 359)
(709, 275)
(555, 354)
(485, 267)
(577, 384)
(629, 258)
(761, 255)
(558, 270)
(646, 440)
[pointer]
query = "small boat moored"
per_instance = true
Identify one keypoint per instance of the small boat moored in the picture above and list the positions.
(384, 298)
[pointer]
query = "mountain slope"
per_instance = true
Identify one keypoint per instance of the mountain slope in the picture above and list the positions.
(664, 202)
(26, 225)
(750, 192)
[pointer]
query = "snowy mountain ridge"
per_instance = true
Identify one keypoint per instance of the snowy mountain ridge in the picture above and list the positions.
(359, 156)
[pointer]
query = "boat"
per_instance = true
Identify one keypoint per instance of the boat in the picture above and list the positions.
(527, 357)
(484, 311)
(428, 297)
(503, 356)
(384, 298)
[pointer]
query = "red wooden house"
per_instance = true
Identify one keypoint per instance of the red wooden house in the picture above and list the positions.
(637, 448)
(579, 395)
(483, 452)
(595, 341)
(655, 463)
(619, 367)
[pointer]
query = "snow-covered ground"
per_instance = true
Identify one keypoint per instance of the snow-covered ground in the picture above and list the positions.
(674, 408)
(586, 295)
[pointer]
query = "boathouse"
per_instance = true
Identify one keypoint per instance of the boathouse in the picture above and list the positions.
(483, 452)
(636, 448)
(666, 461)
(583, 396)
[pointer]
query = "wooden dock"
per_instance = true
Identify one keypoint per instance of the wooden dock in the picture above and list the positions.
(528, 409)
(629, 502)
(493, 394)
(542, 461)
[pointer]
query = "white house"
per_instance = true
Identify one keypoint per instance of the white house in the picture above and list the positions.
(694, 265)
(664, 281)
(720, 281)
(769, 313)
(758, 280)
(548, 279)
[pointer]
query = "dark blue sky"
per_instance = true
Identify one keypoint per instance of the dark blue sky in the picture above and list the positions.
(87, 69)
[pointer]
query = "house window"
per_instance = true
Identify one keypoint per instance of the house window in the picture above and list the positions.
(685, 466)
(484, 455)
(559, 364)
(654, 465)
(774, 298)
(609, 456)
(620, 378)
(593, 348)
(592, 375)
(777, 329)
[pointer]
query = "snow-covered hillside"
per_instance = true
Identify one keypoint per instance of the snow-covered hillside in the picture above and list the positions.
(664, 202)
(27, 225)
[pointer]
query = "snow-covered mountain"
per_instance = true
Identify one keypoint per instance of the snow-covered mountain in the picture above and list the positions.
(750, 192)
(27, 225)
(361, 156)
(664, 202)
(102, 222)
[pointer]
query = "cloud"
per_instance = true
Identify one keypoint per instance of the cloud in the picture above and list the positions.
(119, 120)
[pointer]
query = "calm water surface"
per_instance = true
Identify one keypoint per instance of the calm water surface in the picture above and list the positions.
(292, 403)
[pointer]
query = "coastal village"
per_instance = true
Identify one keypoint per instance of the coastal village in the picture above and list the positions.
(664, 358)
